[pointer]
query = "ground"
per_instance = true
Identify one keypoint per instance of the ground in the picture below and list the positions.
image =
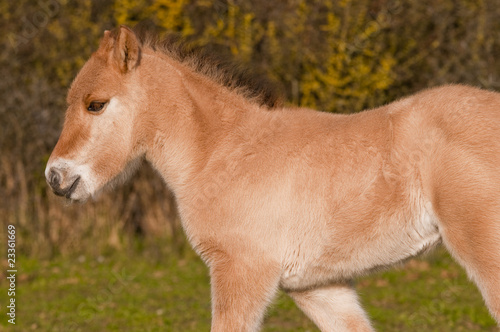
(147, 290)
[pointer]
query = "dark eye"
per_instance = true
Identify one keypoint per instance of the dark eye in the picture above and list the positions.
(96, 106)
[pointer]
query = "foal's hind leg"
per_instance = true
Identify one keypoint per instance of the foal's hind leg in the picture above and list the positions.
(333, 308)
(472, 235)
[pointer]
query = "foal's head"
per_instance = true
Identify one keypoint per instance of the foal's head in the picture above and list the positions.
(100, 141)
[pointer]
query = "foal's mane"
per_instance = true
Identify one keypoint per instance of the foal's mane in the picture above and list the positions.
(217, 67)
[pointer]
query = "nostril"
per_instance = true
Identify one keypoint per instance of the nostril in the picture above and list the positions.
(60, 183)
(54, 178)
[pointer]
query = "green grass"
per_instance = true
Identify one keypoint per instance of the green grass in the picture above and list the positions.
(147, 290)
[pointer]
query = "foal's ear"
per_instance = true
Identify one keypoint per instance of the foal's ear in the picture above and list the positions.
(126, 49)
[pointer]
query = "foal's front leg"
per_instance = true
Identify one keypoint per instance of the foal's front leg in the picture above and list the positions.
(333, 308)
(241, 291)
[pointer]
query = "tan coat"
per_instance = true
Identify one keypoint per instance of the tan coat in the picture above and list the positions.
(289, 198)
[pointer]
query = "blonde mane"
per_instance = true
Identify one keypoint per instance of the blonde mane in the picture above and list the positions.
(218, 67)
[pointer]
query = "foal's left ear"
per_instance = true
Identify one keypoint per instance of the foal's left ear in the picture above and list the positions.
(126, 50)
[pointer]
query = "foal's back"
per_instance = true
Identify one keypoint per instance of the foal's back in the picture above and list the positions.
(404, 175)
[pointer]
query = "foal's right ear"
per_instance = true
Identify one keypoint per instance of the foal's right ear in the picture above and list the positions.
(125, 48)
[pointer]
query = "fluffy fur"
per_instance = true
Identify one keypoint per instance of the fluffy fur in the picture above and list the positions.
(290, 198)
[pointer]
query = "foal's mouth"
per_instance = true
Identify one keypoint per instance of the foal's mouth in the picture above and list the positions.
(72, 188)
(66, 192)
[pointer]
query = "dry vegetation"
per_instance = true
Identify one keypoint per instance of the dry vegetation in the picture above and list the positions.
(338, 56)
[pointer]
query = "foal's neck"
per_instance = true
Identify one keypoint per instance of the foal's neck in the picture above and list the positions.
(189, 118)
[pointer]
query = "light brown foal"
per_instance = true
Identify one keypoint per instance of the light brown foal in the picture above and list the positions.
(286, 198)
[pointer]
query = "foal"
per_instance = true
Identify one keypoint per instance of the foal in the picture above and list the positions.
(284, 198)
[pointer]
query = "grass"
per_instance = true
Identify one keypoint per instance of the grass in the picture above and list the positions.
(155, 290)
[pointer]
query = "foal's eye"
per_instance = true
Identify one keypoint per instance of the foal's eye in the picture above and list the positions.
(96, 106)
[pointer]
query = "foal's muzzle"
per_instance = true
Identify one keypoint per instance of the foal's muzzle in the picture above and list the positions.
(55, 179)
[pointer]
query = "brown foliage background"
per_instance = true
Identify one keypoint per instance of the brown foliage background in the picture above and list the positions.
(340, 56)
